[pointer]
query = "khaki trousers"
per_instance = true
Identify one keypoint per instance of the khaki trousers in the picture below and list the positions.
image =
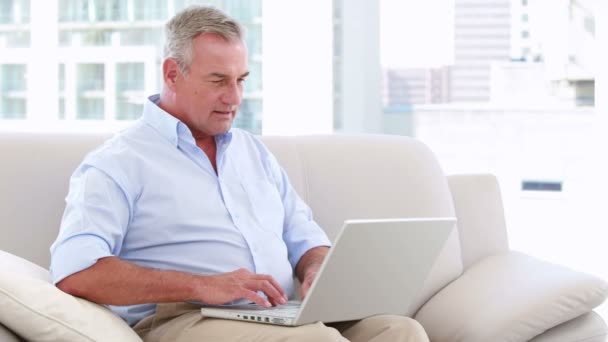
(182, 322)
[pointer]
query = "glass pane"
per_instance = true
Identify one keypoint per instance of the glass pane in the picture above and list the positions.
(253, 83)
(111, 10)
(181, 4)
(254, 39)
(16, 39)
(249, 116)
(73, 10)
(61, 88)
(25, 11)
(13, 103)
(150, 10)
(6, 11)
(98, 37)
(13, 108)
(90, 85)
(61, 77)
(130, 79)
(129, 76)
(13, 77)
(147, 36)
(90, 109)
(61, 108)
(244, 11)
(14, 11)
(90, 77)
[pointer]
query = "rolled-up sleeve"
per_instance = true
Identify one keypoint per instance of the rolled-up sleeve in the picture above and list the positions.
(94, 222)
(300, 231)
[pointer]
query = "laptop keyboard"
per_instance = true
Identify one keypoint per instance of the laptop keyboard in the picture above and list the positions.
(289, 309)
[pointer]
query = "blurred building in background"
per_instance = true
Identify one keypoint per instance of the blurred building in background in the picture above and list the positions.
(482, 35)
(530, 52)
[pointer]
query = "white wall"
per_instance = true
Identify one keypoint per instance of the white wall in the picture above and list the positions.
(297, 72)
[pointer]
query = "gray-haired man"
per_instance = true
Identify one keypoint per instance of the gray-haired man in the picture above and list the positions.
(181, 207)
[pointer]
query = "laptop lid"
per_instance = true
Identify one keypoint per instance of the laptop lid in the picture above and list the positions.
(375, 267)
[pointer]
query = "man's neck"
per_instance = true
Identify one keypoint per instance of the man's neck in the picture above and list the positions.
(208, 145)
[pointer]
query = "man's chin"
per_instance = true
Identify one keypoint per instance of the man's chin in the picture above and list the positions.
(223, 128)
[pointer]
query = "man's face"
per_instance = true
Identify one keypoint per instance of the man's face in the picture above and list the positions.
(208, 96)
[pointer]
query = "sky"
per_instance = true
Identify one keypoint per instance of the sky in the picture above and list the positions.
(416, 33)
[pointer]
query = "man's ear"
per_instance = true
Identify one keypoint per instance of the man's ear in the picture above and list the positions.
(170, 72)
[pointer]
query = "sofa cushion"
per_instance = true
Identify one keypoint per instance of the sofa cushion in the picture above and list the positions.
(589, 327)
(36, 310)
(509, 297)
(7, 335)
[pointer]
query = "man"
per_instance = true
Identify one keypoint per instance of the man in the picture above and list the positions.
(181, 208)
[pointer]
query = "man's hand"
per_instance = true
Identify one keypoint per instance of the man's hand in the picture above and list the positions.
(226, 287)
(308, 267)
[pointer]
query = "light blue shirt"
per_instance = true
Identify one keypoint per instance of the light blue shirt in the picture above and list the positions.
(150, 196)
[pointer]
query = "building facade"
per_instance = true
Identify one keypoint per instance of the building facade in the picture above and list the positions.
(482, 35)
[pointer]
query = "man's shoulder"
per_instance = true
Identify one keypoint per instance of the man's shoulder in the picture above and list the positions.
(123, 144)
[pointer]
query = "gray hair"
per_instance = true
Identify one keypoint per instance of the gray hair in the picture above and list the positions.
(186, 25)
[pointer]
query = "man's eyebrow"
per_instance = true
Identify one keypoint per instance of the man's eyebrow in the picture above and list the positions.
(217, 74)
(220, 75)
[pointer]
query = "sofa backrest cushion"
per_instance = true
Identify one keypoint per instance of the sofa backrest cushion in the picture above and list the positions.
(34, 178)
(340, 177)
(371, 176)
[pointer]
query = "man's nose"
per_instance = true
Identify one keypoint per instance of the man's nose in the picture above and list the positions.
(232, 94)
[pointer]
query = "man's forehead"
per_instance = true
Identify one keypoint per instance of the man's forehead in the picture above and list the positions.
(220, 57)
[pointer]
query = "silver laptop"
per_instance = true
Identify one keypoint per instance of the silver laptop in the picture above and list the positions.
(375, 267)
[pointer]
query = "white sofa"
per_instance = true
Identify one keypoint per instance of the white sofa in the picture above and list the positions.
(478, 290)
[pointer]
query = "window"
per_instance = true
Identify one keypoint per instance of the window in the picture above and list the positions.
(108, 57)
(488, 86)
(514, 98)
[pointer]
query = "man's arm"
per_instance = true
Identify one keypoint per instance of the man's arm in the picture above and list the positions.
(117, 282)
(308, 267)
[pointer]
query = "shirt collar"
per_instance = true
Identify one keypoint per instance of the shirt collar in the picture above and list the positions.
(172, 128)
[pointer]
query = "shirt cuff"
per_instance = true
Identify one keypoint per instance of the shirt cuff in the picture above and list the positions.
(76, 254)
(305, 241)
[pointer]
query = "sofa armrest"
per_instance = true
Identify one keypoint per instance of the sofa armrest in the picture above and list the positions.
(481, 220)
(509, 297)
